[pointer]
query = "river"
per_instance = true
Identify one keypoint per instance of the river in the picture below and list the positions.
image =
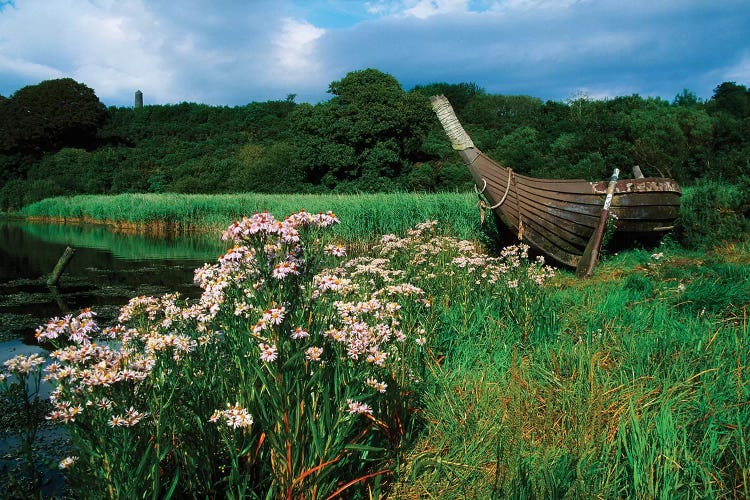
(107, 269)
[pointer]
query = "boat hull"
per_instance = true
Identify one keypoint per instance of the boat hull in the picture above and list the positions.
(558, 217)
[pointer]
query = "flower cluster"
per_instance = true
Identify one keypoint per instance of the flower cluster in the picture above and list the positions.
(235, 416)
(64, 411)
(434, 257)
(260, 225)
(129, 419)
(355, 407)
(270, 325)
(77, 329)
(23, 365)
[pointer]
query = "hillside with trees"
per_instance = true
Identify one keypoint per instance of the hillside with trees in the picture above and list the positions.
(57, 138)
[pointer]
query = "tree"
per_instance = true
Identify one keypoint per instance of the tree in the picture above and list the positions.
(732, 99)
(368, 133)
(659, 144)
(503, 113)
(686, 98)
(458, 94)
(49, 116)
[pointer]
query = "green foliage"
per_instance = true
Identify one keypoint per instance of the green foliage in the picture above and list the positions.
(371, 136)
(633, 391)
(686, 98)
(458, 94)
(286, 379)
(713, 212)
(268, 169)
(629, 385)
(50, 115)
(732, 99)
(367, 134)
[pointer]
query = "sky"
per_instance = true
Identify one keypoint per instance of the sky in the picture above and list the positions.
(223, 52)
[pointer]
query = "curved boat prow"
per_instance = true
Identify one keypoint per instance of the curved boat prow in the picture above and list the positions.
(460, 140)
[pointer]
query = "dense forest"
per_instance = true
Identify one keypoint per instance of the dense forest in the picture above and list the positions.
(57, 138)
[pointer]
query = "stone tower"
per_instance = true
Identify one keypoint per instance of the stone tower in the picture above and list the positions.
(138, 99)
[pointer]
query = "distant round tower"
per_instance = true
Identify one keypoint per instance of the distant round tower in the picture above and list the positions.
(138, 99)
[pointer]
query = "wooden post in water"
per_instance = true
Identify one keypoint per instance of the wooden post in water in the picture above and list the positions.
(60, 266)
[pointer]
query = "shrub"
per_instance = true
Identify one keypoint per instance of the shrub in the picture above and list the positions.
(713, 211)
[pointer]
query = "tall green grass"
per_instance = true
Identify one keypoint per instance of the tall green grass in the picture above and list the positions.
(366, 216)
(710, 211)
(713, 211)
(634, 384)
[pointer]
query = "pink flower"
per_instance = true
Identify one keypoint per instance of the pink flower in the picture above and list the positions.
(299, 333)
(235, 416)
(378, 386)
(283, 269)
(357, 407)
(23, 364)
(268, 353)
(117, 421)
(274, 315)
(335, 250)
(313, 353)
(67, 462)
(377, 357)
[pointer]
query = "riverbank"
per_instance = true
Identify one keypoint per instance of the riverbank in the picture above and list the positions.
(367, 215)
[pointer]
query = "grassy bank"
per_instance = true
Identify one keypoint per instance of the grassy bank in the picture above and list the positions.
(633, 384)
(710, 212)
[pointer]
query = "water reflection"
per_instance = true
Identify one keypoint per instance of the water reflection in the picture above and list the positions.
(105, 272)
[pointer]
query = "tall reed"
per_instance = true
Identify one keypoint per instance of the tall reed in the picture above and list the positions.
(367, 215)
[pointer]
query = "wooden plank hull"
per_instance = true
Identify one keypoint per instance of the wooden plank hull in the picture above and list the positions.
(558, 217)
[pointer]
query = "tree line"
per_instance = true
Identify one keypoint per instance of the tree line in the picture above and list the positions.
(57, 138)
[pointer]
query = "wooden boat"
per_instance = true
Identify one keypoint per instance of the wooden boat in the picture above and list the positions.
(560, 217)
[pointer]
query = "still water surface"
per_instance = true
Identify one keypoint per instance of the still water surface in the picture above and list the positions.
(106, 270)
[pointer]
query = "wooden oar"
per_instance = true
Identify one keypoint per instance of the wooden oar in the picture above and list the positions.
(591, 253)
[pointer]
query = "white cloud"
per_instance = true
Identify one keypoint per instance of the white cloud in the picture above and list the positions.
(739, 72)
(228, 52)
(295, 57)
(108, 46)
(27, 69)
(428, 8)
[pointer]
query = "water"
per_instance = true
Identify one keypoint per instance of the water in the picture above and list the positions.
(106, 270)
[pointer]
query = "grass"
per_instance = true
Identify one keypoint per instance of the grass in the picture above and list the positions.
(373, 214)
(634, 383)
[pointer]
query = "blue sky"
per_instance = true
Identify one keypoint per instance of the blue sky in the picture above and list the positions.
(224, 52)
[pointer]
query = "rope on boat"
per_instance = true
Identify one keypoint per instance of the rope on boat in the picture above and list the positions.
(483, 205)
(484, 186)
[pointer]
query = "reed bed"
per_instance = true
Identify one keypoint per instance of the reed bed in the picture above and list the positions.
(368, 215)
